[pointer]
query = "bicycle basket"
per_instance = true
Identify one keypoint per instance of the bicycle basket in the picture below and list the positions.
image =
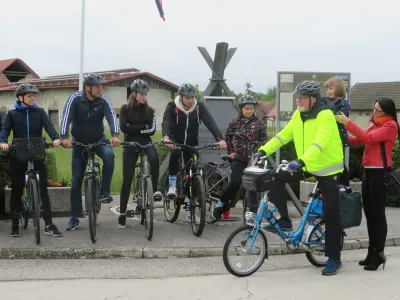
(256, 179)
(32, 149)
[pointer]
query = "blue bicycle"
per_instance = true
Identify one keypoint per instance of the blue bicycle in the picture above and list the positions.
(249, 241)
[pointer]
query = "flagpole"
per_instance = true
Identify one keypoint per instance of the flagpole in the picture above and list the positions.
(82, 45)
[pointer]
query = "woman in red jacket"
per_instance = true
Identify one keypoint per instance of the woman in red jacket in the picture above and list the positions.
(384, 129)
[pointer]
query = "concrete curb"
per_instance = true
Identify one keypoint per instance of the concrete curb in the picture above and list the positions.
(152, 253)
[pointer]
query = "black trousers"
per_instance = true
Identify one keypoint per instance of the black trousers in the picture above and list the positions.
(330, 194)
(175, 155)
(344, 178)
(374, 196)
(129, 160)
(233, 187)
(17, 170)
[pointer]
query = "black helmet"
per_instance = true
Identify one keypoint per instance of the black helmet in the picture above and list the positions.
(140, 86)
(246, 99)
(187, 90)
(308, 88)
(26, 88)
(93, 79)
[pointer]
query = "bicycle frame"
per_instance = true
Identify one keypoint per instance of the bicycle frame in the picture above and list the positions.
(144, 172)
(291, 238)
(32, 173)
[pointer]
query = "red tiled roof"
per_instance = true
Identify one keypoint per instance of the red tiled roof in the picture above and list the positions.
(264, 107)
(4, 64)
(73, 80)
(272, 112)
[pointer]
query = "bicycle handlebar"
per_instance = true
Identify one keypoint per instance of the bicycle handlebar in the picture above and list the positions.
(143, 147)
(241, 135)
(88, 146)
(213, 146)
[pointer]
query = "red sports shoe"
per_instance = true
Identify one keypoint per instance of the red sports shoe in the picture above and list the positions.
(225, 214)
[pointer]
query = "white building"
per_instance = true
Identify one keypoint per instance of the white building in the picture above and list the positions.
(54, 90)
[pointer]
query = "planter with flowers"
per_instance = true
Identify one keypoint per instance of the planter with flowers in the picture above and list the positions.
(307, 186)
(59, 193)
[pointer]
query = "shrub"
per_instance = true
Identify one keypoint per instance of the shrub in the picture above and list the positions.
(51, 163)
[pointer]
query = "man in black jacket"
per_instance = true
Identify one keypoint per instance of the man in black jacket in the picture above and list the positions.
(181, 124)
(86, 111)
(27, 120)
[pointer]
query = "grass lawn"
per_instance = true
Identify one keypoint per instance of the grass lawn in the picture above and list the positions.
(63, 158)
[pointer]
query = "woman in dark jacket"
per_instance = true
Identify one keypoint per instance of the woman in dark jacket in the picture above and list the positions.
(28, 120)
(383, 130)
(138, 122)
(240, 150)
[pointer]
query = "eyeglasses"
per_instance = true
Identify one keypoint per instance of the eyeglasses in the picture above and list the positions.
(377, 110)
(301, 98)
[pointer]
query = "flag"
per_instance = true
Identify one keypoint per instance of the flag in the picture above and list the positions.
(160, 9)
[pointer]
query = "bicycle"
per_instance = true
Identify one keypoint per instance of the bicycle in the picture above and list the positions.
(143, 190)
(30, 150)
(190, 184)
(218, 178)
(260, 179)
(92, 183)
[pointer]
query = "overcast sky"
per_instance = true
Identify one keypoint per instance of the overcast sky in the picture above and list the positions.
(333, 36)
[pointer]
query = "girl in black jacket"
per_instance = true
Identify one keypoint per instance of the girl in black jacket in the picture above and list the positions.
(137, 121)
(28, 120)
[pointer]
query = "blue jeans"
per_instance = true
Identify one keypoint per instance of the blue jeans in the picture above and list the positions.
(79, 162)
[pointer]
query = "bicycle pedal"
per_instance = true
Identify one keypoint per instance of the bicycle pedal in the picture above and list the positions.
(130, 213)
(83, 214)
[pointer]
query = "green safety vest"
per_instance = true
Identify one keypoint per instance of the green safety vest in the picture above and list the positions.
(317, 142)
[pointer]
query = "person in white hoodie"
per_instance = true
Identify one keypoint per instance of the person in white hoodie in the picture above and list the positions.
(181, 121)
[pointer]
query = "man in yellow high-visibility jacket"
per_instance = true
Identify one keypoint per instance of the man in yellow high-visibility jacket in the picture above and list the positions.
(319, 151)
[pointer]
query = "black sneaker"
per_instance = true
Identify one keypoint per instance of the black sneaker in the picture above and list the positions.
(15, 231)
(52, 230)
(104, 199)
(121, 222)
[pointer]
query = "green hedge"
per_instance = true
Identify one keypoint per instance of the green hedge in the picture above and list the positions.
(51, 162)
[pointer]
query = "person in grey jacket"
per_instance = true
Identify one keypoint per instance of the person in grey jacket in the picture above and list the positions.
(86, 111)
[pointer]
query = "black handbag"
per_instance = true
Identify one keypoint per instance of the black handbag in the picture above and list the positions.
(32, 149)
(391, 179)
(350, 209)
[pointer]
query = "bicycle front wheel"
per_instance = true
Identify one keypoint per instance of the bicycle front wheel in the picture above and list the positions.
(33, 195)
(198, 205)
(25, 209)
(148, 208)
(239, 259)
(90, 200)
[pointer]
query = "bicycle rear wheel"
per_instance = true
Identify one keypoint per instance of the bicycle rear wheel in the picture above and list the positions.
(217, 183)
(90, 200)
(236, 251)
(148, 208)
(198, 205)
(33, 195)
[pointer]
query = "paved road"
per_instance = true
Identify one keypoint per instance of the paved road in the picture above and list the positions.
(196, 278)
(166, 235)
